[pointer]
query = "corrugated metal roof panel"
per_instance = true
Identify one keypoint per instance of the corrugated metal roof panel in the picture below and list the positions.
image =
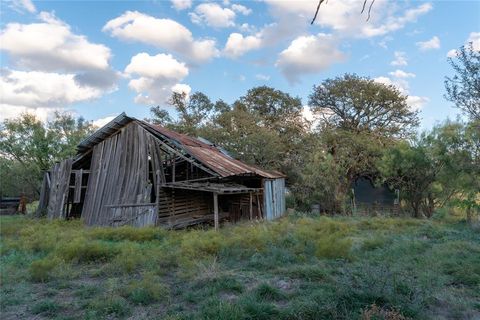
(209, 155)
(104, 132)
(213, 158)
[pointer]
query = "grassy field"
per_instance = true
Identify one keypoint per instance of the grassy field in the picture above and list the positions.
(299, 267)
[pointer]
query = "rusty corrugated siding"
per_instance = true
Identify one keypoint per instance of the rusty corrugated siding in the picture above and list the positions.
(213, 158)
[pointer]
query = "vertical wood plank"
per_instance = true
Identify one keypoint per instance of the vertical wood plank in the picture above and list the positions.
(251, 206)
(215, 209)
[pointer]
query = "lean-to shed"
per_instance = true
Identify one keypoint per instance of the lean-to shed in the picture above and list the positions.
(131, 172)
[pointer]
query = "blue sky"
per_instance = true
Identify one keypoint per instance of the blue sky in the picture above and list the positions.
(99, 58)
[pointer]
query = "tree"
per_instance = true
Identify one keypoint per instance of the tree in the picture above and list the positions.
(463, 89)
(28, 147)
(360, 104)
(439, 167)
(337, 158)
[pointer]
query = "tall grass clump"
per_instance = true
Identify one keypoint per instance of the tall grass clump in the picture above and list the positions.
(83, 251)
(148, 290)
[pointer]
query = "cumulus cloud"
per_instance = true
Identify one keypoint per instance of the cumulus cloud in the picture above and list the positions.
(156, 77)
(36, 89)
(308, 54)
(431, 44)
(50, 45)
(102, 121)
(56, 67)
(238, 45)
(338, 15)
(213, 15)
(473, 38)
(415, 102)
(402, 74)
(241, 9)
(162, 33)
(181, 4)
(400, 59)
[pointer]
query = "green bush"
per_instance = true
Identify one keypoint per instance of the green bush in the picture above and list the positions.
(41, 270)
(146, 291)
(83, 251)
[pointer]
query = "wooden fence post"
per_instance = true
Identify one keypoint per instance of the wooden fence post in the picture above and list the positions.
(215, 209)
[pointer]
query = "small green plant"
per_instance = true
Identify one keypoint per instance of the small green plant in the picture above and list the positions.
(42, 270)
(84, 251)
(146, 291)
(46, 307)
(266, 292)
(109, 305)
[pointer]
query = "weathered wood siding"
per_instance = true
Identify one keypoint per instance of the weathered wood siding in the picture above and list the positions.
(274, 198)
(119, 187)
(178, 208)
(44, 193)
(59, 186)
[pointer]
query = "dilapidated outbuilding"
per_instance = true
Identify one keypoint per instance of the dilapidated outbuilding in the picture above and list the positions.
(131, 172)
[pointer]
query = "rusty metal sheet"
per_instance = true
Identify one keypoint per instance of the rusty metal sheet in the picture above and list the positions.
(213, 158)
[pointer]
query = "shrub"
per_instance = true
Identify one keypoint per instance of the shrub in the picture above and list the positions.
(146, 291)
(41, 270)
(334, 247)
(83, 251)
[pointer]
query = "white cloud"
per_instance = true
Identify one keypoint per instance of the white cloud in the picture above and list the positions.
(36, 89)
(157, 77)
(181, 4)
(415, 102)
(341, 16)
(402, 74)
(473, 38)
(241, 9)
(262, 77)
(51, 46)
(102, 121)
(22, 5)
(308, 54)
(213, 15)
(182, 88)
(400, 59)
(162, 33)
(431, 44)
(452, 53)
(238, 45)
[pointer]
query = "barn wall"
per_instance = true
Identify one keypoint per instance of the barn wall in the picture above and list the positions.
(274, 198)
(120, 186)
(59, 187)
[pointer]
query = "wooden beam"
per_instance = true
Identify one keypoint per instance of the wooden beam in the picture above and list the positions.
(215, 209)
(251, 206)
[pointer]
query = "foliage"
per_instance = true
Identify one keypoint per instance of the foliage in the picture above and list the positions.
(463, 89)
(360, 104)
(440, 166)
(28, 147)
(299, 267)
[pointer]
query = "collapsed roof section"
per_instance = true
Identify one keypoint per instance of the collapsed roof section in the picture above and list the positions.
(206, 156)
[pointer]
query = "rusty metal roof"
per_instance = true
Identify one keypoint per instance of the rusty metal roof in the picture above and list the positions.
(208, 155)
(213, 158)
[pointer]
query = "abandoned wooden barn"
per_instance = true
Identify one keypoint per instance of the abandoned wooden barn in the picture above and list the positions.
(131, 172)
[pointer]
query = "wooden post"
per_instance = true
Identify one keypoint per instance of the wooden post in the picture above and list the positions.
(251, 206)
(215, 209)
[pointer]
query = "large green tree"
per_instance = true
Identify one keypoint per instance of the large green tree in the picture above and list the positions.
(361, 104)
(28, 147)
